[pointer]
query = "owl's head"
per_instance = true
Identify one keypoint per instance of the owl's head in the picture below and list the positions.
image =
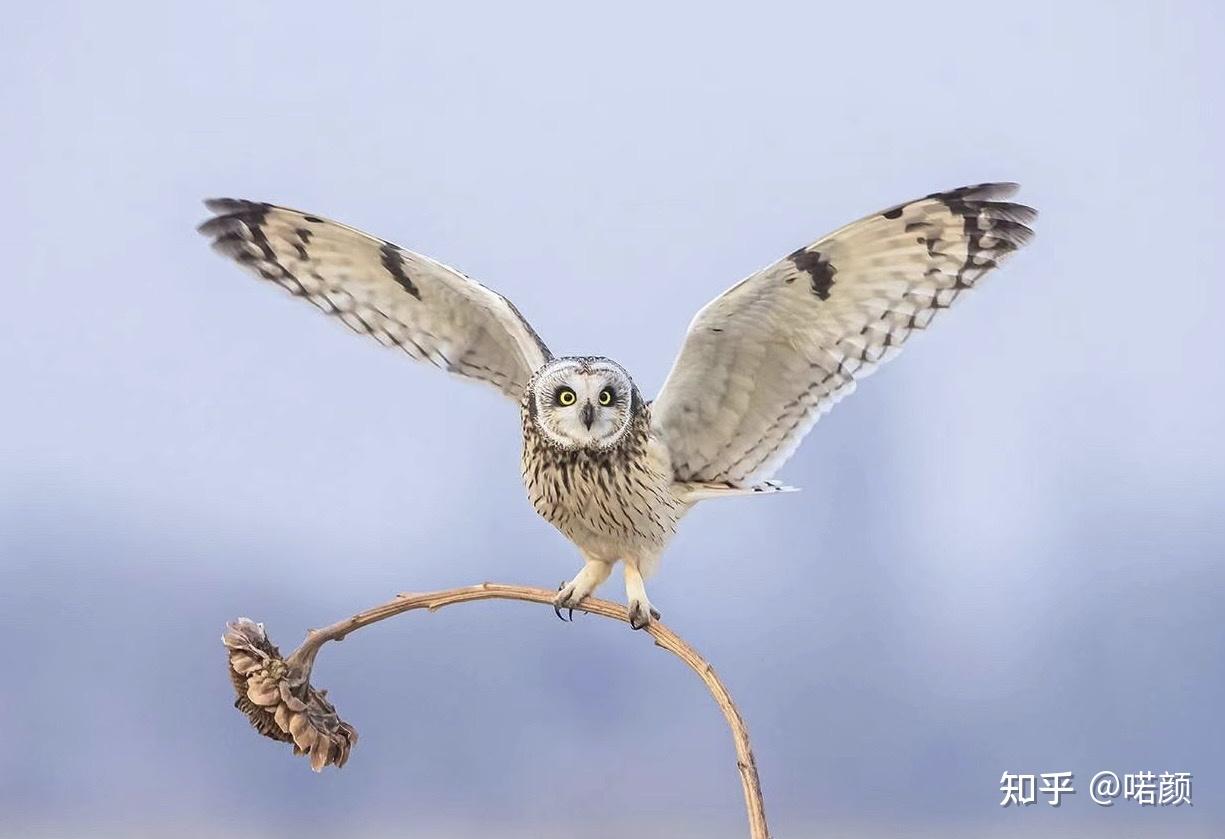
(579, 403)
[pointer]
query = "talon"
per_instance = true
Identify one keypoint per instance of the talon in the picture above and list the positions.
(641, 614)
(557, 605)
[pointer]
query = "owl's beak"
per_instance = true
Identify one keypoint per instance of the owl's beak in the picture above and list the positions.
(588, 415)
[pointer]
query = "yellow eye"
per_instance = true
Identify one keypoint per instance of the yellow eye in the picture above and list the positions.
(565, 396)
(606, 396)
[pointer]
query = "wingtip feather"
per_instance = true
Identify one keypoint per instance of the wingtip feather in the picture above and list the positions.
(224, 205)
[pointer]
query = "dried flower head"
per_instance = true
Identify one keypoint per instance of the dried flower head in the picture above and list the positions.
(279, 700)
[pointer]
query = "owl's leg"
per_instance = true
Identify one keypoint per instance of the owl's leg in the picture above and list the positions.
(571, 594)
(641, 610)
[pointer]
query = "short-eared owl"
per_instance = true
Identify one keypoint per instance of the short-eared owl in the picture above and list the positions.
(759, 365)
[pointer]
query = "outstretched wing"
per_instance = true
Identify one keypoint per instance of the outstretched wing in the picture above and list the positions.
(403, 299)
(762, 362)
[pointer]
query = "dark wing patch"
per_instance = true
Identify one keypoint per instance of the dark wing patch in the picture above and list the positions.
(818, 268)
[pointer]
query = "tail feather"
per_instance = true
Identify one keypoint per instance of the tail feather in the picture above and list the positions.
(692, 491)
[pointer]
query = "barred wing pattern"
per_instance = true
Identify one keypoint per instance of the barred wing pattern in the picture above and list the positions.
(762, 362)
(403, 299)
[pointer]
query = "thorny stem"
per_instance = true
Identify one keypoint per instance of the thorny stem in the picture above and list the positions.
(303, 659)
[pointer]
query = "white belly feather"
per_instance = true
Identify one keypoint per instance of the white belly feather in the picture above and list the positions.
(610, 505)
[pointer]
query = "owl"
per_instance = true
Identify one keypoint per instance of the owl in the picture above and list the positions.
(759, 364)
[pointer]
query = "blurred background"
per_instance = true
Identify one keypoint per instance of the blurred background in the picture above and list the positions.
(1008, 554)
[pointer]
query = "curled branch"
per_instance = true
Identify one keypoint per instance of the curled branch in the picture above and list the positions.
(276, 695)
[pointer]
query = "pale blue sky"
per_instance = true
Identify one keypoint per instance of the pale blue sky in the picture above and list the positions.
(1008, 553)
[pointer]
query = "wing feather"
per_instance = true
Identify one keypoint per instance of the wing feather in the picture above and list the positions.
(765, 360)
(402, 299)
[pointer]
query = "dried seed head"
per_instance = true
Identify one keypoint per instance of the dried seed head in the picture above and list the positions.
(280, 702)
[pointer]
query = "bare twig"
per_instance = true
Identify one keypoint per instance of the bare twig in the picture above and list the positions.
(276, 693)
